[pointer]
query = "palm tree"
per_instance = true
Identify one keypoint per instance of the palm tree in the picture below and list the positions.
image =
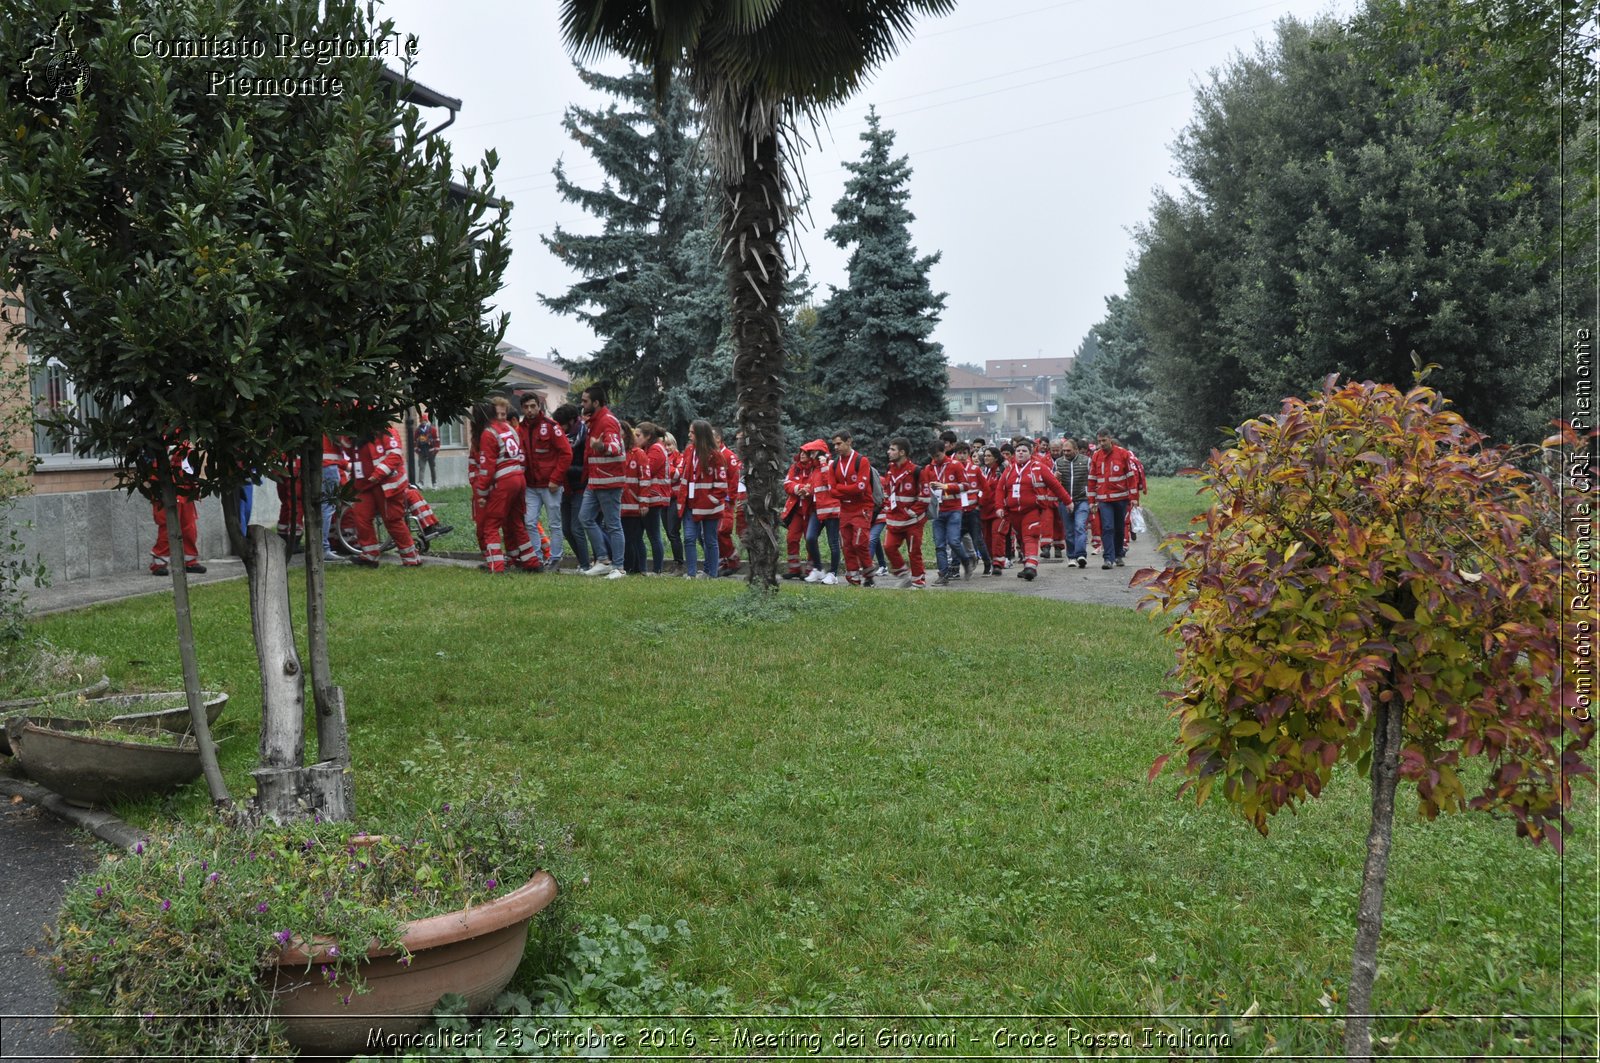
(758, 67)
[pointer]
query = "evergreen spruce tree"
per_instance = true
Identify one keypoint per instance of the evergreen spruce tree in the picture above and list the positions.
(881, 375)
(1109, 386)
(652, 290)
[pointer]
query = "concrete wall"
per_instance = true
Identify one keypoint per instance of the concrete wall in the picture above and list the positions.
(85, 534)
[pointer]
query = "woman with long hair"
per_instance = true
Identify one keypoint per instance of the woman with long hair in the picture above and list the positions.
(705, 494)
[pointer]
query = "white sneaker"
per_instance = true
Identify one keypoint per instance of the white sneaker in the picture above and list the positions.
(616, 573)
(597, 569)
(815, 576)
(829, 580)
(883, 570)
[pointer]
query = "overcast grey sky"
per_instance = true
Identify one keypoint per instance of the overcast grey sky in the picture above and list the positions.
(1036, 133)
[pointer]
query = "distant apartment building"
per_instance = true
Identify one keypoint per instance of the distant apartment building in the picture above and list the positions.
(1014, 401)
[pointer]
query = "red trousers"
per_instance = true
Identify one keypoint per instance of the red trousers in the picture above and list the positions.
(1027, 522)
(502, 529)
(912, 537)
(855, 538)
(797, 537)
(291, 518)
(373, 503)
(188, 527)
(996, 528)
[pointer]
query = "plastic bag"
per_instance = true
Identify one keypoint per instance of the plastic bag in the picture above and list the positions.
(1138, 520)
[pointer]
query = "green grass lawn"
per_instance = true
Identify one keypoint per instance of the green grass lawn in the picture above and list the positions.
(896, 804)
(1175, 500)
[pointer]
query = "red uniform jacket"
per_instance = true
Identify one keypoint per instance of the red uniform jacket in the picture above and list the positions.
(989, 505)
(797, 486)
(501, 462)
(1023, 487)
(903, 505)
(705, 490)
(822, 495)
(549, 452)
(382, 463)
(657, 489)
(1111, 475)
(607, 455)
(852, 485)
(949, 473)
(635, 473)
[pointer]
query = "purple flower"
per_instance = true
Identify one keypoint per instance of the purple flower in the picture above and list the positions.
(138, 848)
(261, 909)
(166, 906)
(282, 936)
(333, 950)
(492, 884)
(445, 807)
(211, 877)
(205, 865)
(347, 1000)
(99, 891)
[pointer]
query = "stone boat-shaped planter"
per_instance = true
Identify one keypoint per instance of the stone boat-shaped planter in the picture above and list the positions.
(16, 706)
(92, 767)
(168, 711)
(473, 952)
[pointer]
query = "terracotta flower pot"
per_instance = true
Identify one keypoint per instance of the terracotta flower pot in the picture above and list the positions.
(473, 952)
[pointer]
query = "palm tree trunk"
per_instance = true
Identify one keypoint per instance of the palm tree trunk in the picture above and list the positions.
(1387, 734)
(753, 218)
(176, 559)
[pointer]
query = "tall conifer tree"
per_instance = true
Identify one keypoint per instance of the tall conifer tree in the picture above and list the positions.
(651, 289)
(881, 374)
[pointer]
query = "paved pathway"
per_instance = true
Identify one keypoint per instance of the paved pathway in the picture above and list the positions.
(39, 856)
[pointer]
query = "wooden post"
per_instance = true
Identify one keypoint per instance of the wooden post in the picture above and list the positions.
(283, 699)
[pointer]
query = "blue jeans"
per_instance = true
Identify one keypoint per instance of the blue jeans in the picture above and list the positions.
(972, 524)
(601, 517)
(570, 505)
(652, 532)
(1077, 525)
(947, 548)
(1113, 515)
(702, 533)
(330, 488)
(875, 543)
(813, 530)
(548, 499)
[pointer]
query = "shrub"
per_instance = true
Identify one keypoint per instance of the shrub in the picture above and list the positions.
(159, 952)
(1374, 584)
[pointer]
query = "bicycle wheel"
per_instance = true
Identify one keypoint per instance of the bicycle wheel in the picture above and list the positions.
(344, 530)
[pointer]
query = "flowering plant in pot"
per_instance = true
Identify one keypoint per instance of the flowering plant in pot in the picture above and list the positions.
(172, 950)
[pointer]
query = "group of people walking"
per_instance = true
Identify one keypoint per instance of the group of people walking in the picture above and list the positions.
(581, 477)
(621, 495)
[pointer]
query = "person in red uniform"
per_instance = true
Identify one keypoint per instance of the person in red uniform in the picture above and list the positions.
(904, 514)
(705, 493)
(500, 476)
(797, 510)
(549, 454)
(727, 549)
(635, 485)
(943, 477)
(656, 490)
(852, 485)
(380, 479)
(825, 517)
(601, 512)
(188, 520)
(991, 512)
(1112, 482)
(291, 500)
(1021, 488)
